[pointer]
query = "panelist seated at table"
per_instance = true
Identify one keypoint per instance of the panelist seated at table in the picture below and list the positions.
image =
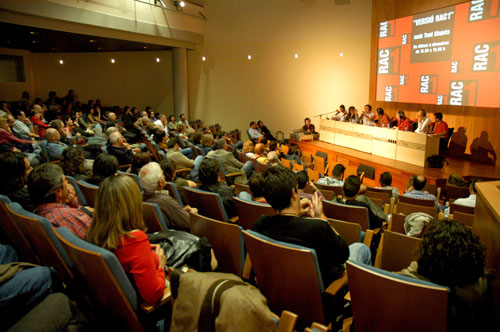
(424, 123)
(403, 122)
(440, 129)
(383, 119)
(308, 127)
(368, 117)
(352, 116)
(341, 113)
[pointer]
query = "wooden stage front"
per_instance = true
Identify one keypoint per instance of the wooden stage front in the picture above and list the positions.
(400, 171)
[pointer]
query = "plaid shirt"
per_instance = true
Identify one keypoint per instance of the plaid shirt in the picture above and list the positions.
(63, 215)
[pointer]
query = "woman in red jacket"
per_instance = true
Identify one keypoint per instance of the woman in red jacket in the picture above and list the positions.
(36, 119)
(118, 226)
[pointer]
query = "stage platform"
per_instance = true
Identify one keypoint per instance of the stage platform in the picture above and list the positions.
(400, 171)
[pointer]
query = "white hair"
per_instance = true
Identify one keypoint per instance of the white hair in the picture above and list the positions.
(149, 175)
(114, 137)
(272, 156)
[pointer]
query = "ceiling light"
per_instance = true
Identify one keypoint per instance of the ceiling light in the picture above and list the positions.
(203, 58)
(93, 40)
(61, 61)
(341, 53)
(179, 5)
(157, 59)
(182, 4)
(249, 57)
(112, 60)
(144, 47)
(33, 33)
(296, 55)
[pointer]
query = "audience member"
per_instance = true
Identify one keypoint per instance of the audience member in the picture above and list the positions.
(12, 143)
(292, 224)
(162, 122)
(118, 226)
(424, 123)
(73, 163)
(104, 165)
(337, 178)
(307, 189)
(260, 156)
(23, 127)
(456, 180)
(466, 201)
(180, 160)
(265, 131)
(121, 150)
(385, 182)
(452, 255)
(56, 200)
(351, 189)
(17, 166)
(209, 178)
(54, 146)
(171, 123)
(273, 158)
(248, 149)
(417, 191)
(229, 163)
(184, 121)
(37, 120)
(168, 168)
(153, 181)
(253, 132)
(140, 159)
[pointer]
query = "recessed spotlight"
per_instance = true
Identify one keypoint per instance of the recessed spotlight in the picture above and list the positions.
(341, 53)
(99, 48)
(144, 47)
(33, 33)
(157, 59)
(203, 58)
(35, 41)
(182, 4)
(93, 40)
(112, 60)
(61, 62)
(296, 55)
(249, 57)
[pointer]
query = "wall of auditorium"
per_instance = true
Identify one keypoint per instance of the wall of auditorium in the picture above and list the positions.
(135, 79)
(11, 91)
(274, 86)
(480, 124)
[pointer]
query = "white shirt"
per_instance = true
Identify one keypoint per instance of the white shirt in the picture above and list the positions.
(368, 118)
(254, 133)
(424, 126)
(469, 201)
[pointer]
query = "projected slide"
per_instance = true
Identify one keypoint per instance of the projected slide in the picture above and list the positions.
(449, 56)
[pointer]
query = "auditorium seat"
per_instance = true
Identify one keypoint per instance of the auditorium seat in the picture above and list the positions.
(133, 176)
(78, 192)
(416, 201)
(242, 157)
(153, 217)
(464, 218)
(313, 175)
(319, 164)
(355, 214)
(452, 192)
(89, 191)
(286, 163)
(209, 204)
(387, 302)
(407, 209)
(396, 223)
(172, 191)
(461, 208)
(336, 189)
(225, 239)
(396, 251)
(249, 212)
(351, 232)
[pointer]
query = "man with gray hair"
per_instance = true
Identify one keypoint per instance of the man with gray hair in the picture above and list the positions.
(121, 150)
(229, 163)
(56, 200)
(54, 146)
(162, 122)
(153, 181)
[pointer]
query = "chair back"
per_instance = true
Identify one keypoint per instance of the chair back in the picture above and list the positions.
(379, 202)
(153, 217)
(461, 208)
(397, 222)
(89, 191)
(105, 280)
(385, 196)
(464, 218)
(225, 239)
(262, 166)
(249, 212)
(297, 167)
(319, 164)
(431, 188)
(133, 176)
(336, 189)
(402, 303)
(344, 212)
(151, 148)
(14, 233)
(416, 201)
(255, 165)
(208, 204)
(172, 191)
(274, 262)
(39, 232)
(327, 194)
(349, 231)
(45, 152)
(286, 163)
(78, 192)
(238, 188)
(243, 158)
(313, 174)
(408, 209)
(396, 251)
(307, 156)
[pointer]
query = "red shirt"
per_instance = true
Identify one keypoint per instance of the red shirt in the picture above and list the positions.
(406, 123)
(41, 125)
(6, 136)
(138, 259)
(440, 127)
(59, 215)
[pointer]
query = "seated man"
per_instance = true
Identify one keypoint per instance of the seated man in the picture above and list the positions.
(229, 162)
(56, 200)
(440, 130)
(54, 146)
(299, 222)
(368, 117)
(386, 183)
(10, 142)
(466, 201)
(424, 123)
(180, 160)
(121, 150)
(336, 179)
(153, 182)
(168, 168)
(23, 127)
(351, 189)
(383, 119)
(209, 178)
(307, 189)
(253, 132)
(416, 190)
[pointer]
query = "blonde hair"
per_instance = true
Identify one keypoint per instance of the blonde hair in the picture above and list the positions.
(259, 149)
(118, 211)
(3, 120)
(248, 147)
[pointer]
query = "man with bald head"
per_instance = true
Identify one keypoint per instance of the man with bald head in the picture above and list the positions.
(417, 191)
(121, 150)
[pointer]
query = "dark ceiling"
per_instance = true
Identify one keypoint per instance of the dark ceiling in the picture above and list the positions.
(47, 41)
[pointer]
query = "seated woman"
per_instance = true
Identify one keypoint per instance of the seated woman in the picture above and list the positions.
(207, 141)
(248, 149)
(104, 166)
(118, 226)
(260, 153)
(37, 120)
(140, 159)
(265, 131)
(73, 163)
(451, 255)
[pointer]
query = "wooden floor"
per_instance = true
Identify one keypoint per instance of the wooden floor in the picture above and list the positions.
(400, 171)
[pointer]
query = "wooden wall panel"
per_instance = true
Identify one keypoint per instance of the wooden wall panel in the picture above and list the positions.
(475, 120)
